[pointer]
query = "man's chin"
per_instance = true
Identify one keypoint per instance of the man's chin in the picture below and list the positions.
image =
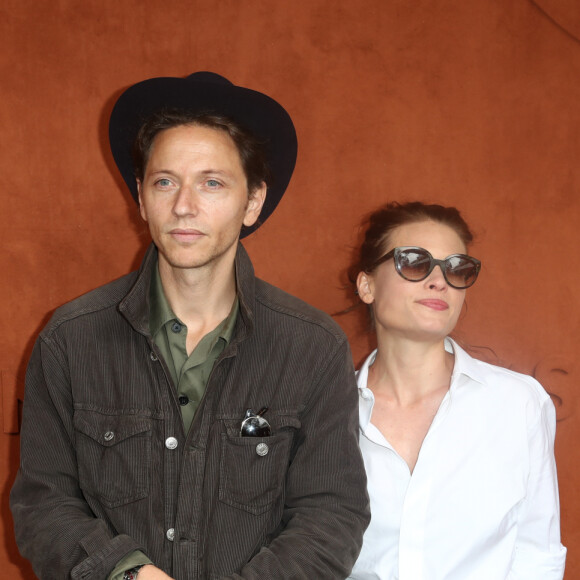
(188, 264)
(190, 260)
(198, 255)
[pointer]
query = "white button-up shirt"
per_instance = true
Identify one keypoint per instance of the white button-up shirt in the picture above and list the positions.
(482, 502)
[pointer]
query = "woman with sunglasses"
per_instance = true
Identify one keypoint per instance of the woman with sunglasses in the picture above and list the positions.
(459, 453)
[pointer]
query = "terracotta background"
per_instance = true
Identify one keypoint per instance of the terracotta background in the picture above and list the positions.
(474, 103)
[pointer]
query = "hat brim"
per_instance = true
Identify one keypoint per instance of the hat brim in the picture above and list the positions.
(207, 93)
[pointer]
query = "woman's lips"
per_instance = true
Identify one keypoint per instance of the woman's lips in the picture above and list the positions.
(434, 303)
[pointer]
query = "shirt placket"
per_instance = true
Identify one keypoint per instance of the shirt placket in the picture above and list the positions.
(414, 517)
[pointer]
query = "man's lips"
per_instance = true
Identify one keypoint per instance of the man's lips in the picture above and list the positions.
(434, 303)
(186, 234)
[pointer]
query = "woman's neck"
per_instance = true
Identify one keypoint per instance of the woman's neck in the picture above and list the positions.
(408, 370)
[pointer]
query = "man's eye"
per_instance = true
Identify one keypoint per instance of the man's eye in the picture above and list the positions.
(163, 182)
(213, 183)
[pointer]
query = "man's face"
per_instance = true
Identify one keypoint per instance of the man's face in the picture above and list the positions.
(194, 196)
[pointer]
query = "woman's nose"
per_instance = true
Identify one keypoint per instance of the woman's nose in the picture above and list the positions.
(436, 279)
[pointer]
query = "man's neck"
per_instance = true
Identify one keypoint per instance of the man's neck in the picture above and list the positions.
(200, 297)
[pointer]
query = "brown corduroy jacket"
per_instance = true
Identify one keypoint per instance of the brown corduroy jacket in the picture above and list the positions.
(106, 467)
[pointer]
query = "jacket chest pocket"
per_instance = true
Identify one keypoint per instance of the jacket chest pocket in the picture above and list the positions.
(253, 470)
(114, 456)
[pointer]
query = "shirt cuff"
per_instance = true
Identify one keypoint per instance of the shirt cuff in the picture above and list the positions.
(136, 558)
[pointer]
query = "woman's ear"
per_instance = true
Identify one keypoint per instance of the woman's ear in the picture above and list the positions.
(364, 286)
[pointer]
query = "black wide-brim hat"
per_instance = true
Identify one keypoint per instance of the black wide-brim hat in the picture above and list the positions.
(207, 92)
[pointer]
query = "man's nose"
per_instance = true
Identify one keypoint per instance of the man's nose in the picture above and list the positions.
(186, 200)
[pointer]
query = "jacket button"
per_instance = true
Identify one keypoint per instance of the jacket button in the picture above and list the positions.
(170, 534)
(171, 443)
(262, 449)
(109, 435)
(183, 400)
(153, 356)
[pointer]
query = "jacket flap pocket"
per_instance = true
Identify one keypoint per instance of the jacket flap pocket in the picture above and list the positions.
(109, 430)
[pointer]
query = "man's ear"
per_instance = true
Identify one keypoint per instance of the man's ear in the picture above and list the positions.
(255, 204)
(140, 200)
(365, 287)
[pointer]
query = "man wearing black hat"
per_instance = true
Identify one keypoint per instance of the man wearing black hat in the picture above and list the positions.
(190, 420)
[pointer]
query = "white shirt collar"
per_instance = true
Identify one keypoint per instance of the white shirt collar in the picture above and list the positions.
(464, 365)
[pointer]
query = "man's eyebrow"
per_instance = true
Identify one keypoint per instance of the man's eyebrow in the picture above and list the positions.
(215, 171)
(202, 172)
(157, 171)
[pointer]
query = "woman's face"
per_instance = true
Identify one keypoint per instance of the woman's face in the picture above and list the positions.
(427, 310)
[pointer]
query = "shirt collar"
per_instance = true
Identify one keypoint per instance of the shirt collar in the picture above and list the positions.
(464, 365)
(366, 397)
(135, 306)
(160, 312)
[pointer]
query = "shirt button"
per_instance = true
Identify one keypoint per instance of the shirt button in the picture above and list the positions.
(109, 435)
(183, 400)
(176, 327)
(262, 449)
(170, 534)
(171, 443)
(366, 395)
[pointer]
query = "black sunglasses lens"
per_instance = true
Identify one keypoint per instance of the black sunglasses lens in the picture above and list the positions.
(414, 264)
(461, 271)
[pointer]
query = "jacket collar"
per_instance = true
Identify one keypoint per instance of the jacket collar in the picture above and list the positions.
(135, 305)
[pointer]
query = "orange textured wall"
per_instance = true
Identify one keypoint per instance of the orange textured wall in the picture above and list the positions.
(472, 103)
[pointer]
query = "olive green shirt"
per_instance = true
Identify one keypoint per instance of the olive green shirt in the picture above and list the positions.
(189, 373)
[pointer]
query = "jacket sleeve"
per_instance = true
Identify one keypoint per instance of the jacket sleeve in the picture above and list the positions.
(539, 555)
(54, 526)
(326, 508)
